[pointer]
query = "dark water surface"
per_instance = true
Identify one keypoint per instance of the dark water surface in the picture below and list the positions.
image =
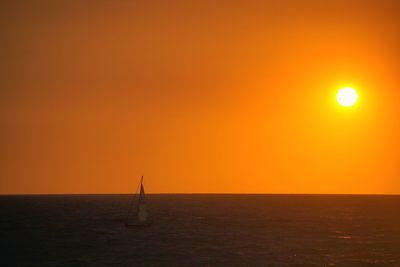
(201, 230)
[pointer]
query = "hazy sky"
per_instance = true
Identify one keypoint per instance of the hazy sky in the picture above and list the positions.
(199, 96)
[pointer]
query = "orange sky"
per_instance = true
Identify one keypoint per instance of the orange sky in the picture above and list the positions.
(199, 96)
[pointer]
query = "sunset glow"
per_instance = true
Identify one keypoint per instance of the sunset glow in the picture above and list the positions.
(200, 96)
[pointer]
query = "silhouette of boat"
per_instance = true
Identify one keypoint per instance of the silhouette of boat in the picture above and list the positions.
(137, 214)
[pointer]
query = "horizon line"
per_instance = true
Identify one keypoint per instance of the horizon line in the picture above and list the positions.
(203, 193)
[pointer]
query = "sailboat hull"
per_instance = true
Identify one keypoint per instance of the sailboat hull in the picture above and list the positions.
(137, 224)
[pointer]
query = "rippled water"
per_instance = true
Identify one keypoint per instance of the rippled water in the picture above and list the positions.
(201, 230)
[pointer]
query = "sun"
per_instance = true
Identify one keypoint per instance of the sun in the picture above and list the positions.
(347, 97)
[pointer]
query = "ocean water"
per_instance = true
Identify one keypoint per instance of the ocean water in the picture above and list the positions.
(201, 230)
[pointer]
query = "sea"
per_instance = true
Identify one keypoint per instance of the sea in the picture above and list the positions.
(201, 230)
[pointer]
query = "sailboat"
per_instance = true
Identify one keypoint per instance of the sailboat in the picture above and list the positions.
(138, 215)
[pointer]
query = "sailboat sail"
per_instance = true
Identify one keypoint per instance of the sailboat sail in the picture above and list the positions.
(142, 209)
(142, 215)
